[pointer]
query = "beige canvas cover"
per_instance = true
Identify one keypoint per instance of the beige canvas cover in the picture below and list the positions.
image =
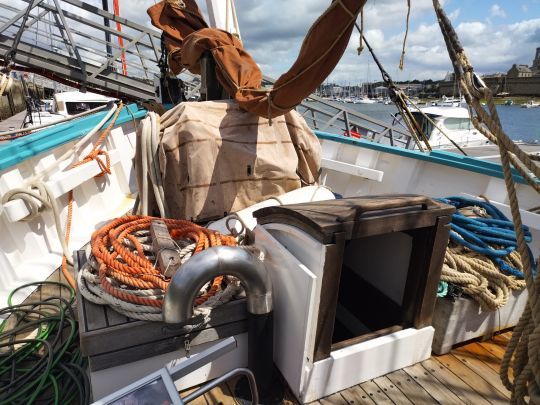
(217, 158)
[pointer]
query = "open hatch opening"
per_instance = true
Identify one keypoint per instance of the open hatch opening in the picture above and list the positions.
(372, 292)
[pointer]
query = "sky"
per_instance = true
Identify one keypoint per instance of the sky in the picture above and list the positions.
(495, 34)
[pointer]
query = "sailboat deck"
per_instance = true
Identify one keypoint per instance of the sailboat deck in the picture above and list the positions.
(13, 122)
(469, 374)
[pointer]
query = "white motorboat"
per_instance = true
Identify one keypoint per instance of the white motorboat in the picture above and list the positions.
(530, 104)
(449, 102)
(443, 125)
(64, 105)
(364, 100)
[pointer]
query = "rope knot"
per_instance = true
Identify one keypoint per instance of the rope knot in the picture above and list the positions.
(104, 166)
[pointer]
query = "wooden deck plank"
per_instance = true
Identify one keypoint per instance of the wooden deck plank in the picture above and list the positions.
(481, 353)
(412, 390)
(334, 399)
(477, 383)
(220, 395)
(15, 121)
(455, 384)
(392, 391)
(198, 401)
(373, 392)
(428, 382)
(482, 369)
(494, 348)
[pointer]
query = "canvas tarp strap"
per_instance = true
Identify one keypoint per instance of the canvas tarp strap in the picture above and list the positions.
(216, 158)
(240, 76)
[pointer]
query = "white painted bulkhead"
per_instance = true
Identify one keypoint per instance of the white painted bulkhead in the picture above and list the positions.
(403, 174)
(30, 250)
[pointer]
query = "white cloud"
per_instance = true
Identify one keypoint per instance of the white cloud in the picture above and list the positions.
(273, 32)
(497, 11)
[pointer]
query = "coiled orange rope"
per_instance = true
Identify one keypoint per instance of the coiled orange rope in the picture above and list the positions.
(127, 267)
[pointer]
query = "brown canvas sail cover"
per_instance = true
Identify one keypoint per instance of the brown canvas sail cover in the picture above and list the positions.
(216, 158)
(188, 38)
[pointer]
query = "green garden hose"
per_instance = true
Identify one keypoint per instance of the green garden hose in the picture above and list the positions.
(40, 360)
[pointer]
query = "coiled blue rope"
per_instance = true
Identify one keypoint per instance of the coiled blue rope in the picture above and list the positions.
(479, 234)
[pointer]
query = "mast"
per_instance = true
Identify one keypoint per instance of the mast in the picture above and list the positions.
(222, 15)
(106, 23)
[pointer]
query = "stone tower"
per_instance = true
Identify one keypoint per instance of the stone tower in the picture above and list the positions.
(536, 63)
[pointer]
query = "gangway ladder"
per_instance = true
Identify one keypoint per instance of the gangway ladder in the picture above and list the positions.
(69, 40)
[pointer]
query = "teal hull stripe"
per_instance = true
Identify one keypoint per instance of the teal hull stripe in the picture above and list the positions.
(437, 156)
(21, 149)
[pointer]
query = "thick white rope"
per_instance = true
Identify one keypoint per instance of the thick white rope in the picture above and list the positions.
(74, 151)
(151, 171)
(38, 197)
(524, 346)
(479, 278)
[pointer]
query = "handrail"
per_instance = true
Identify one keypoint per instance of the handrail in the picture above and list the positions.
(73, 53)
(326, 114)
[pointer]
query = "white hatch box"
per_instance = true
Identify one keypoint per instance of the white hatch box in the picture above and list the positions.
(355, 282)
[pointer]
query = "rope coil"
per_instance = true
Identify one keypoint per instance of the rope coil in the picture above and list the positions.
(481, 258)
(121, 270)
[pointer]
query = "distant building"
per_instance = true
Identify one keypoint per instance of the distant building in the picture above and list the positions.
(519, 71)
(520, 80)
(411, 89)
(536, 63)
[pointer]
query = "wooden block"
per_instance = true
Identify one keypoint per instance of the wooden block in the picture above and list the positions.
(114, 318)
(168, 259)
(108, 359)
(392, 391)
(455, 384)
(99, 335)
(93, 316)
(433, 386)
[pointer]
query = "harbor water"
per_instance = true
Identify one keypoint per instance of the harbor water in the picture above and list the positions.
(519, 123)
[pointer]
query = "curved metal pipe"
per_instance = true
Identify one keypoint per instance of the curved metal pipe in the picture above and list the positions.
(213, 262)
(240, 263)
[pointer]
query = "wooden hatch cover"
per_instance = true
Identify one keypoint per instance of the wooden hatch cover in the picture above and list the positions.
(357, 216)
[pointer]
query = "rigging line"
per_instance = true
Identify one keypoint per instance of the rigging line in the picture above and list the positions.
(398, 99)
(523, 345)
(402, 59)
(436, 126)
(361, 30)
